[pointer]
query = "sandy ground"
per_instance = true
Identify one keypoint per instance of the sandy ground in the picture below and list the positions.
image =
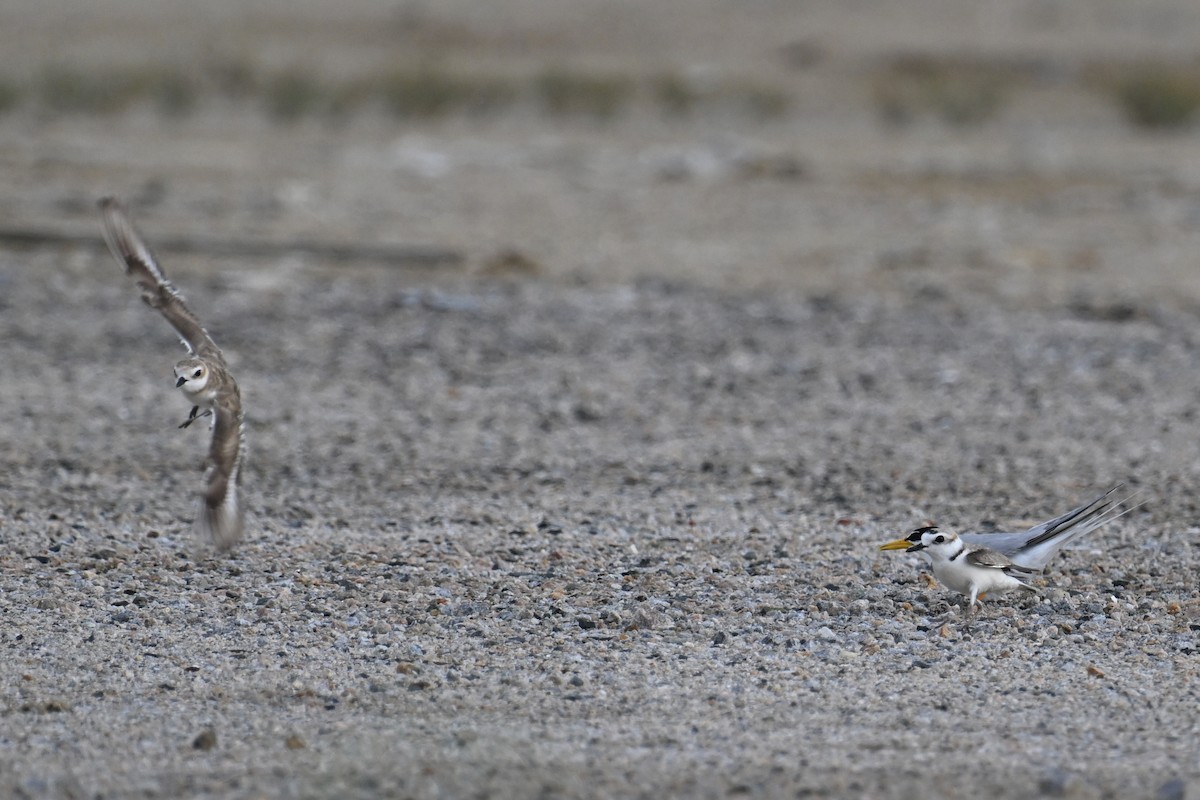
(594, 511)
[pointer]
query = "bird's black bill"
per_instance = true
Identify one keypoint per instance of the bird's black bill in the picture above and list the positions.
(180, 382)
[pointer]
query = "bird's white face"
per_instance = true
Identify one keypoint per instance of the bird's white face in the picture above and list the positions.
(939, 544)
(191, 376)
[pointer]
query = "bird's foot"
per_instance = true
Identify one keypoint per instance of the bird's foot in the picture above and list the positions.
(194, 416)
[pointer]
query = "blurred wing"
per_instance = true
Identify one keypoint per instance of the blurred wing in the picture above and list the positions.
(131, 250)
(221, 514)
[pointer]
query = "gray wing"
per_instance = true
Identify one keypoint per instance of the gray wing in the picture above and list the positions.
(1033, 549)
(131, 250)
(221, 515)
(988, 559)
(1008, 543)
(1075, 522)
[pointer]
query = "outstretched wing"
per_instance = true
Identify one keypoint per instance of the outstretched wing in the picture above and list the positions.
(131, 250)
(220, 516)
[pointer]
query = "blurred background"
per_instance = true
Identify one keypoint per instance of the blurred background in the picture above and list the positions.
(589, 349)
(1033, 150)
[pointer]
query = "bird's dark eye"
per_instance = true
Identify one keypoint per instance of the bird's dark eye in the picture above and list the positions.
(939, 539)
(196, 374)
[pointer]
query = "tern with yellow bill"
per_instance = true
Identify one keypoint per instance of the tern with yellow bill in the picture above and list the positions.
(975, 563)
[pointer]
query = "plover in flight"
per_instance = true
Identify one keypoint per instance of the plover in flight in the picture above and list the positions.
(203, 377)
(976, 563)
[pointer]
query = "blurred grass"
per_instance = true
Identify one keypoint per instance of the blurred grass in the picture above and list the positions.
(759, 100)
(1157, 97)
(233, 78)
(67, 90)
(562, 93)
(966, 91)
(293, 94)
(675, 95)
(10, 96)
(175, 93)
(426, 92)
(959, 92)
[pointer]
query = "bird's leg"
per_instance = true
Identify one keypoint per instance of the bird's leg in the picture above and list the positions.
(192, 417)
(970, 609)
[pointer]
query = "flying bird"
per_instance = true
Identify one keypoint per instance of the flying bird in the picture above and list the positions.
(203, 377)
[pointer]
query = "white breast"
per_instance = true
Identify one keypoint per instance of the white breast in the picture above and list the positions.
(203, 398)
(960, 576)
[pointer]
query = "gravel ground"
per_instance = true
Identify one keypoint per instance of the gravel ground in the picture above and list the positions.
(516, 538)
(595, 511)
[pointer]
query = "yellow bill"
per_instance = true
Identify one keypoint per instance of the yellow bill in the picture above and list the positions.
(899, 544)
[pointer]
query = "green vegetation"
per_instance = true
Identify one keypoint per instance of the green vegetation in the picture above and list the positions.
(419, 92)
(175, 93)
(68, 90)
(293, 94)
(759, 101)
(10, 96)
(1159, 97)
(429, 93)
(676, 95)
(574, 93)
(966, 91)
(957, 92)
(233, 78)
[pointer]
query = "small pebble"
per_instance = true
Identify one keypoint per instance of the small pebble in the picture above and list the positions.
(205, 740)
